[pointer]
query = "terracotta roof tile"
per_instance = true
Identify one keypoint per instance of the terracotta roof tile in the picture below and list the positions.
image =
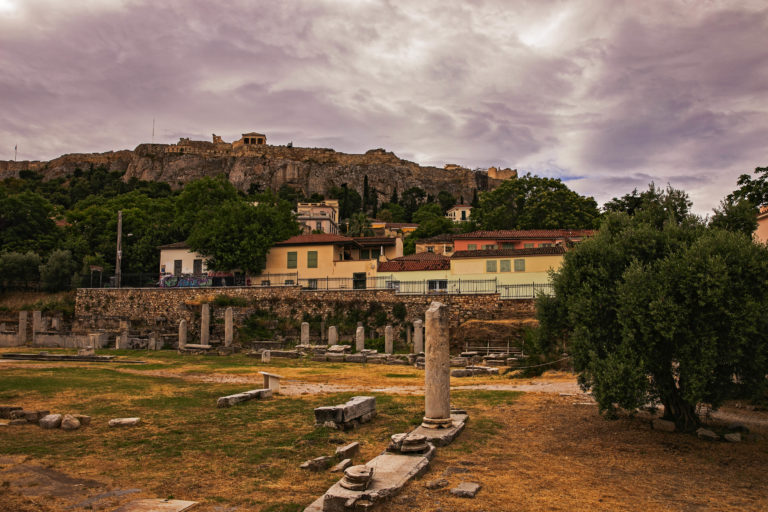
(486, 253)
(416, 262)
(318, 238)
(510, 234)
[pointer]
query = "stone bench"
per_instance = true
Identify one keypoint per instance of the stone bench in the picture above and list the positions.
(272, 382)
(359, 409)
(254, 394)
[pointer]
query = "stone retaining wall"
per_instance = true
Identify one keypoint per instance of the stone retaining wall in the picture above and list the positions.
(162, 309)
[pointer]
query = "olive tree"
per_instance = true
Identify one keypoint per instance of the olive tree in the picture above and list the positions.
(670, 313)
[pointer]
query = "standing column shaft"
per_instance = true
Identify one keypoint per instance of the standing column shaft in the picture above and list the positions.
(205, 325)
(229, 327)
(182, 334)
(418, 336)
(437, 368)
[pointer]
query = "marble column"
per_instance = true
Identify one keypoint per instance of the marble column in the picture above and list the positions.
(388, 342)
(418, 337)
(229, 328)
(182, 334)
(360, 339)
(205, 325)
(437, 368)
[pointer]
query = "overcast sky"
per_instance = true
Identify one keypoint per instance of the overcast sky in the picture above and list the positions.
(608, 95)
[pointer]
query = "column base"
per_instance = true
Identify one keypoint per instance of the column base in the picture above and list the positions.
(436, 422)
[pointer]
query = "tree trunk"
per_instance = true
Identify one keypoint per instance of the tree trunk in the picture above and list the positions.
(680, 411)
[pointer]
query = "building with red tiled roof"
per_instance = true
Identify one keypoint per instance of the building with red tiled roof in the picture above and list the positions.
(519, 238)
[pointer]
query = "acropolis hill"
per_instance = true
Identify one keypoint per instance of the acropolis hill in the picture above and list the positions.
(252, 161)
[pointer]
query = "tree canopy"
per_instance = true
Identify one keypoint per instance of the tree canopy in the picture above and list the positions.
(531, 202)
(667, 311)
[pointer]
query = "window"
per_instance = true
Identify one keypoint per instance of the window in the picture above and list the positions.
(528, 246)
(505, 266)
(472, 247)
(311, 259)
(437, 285)
(291, 260)
(430, 248)
(519, 265)
(490, 265)
(508, 245)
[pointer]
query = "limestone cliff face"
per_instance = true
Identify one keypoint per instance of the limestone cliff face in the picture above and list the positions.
(310, 169)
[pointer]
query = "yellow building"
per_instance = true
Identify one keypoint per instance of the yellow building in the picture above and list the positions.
(508, 266)
(311, 259)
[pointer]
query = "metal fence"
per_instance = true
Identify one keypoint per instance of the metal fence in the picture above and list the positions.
(422, 287)
(524, 291)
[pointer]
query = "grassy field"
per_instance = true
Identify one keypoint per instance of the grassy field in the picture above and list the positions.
(531, 452)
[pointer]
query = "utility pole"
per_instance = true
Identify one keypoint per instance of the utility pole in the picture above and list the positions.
(119, 257)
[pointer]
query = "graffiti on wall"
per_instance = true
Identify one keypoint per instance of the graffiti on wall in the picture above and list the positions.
(185, 281)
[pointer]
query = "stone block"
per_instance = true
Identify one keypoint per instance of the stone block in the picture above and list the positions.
(466, 489)
(51, 421)
(69, 422)
(317, 464)
(35, 416)
(706, 434)
(341, 466)
(83, 419)
(254, 394)
(347, 451)
(124, 422)
(5, 411)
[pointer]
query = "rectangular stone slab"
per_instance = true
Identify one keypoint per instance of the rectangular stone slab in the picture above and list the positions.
(156, 505)
(254, 394)
(391, 471)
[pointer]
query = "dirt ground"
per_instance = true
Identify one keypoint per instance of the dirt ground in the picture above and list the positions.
(546, 449)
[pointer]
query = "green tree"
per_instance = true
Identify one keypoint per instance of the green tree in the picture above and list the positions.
(531, 202)
(670, 314)
(446, 200)
(26, 223)
(238, 235)
(56, 273)
(19, 267)
(740, 217)
(411, 200)
(753, 190)
(359, 225)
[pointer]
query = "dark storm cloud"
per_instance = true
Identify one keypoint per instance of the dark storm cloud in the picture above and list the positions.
(608, 95)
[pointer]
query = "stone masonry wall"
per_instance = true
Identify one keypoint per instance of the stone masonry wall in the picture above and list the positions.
(162, 309)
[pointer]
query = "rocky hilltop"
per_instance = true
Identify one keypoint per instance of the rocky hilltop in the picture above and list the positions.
(266, 166)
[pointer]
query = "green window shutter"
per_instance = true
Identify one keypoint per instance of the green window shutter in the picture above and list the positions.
(311, 259)
(519, 265)
(505, 266)
(490, 265)
(292, 259)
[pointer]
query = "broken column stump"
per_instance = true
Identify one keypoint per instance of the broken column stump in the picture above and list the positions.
(359, 409)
